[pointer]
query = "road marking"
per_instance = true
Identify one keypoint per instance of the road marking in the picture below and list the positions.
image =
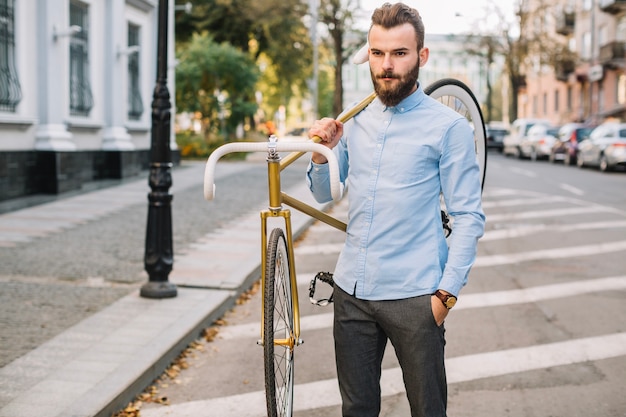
(538, 228)
(323, 249)
(523, 201)
(524, 172)
(466, 301)
(511, 258)
(549, 213)
(558, 253)
(572, 189)
(325, 393)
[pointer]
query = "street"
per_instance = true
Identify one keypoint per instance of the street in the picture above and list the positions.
(540, 330)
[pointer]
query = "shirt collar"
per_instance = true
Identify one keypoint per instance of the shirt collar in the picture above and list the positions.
(409, 102)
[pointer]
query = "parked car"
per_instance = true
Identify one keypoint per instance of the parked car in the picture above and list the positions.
(538, 142)
(519, 130)
(495, 135)
(605, 148)
(565, 149)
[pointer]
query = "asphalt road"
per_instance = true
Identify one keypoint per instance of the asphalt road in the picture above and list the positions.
(540, 330)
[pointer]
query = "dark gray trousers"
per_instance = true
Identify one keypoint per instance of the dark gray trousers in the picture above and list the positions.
(361, 330)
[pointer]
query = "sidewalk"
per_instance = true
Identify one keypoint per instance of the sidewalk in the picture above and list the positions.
(97, 366)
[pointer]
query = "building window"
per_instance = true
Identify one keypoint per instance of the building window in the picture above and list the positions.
(81, 99)
(621, 89)
(600, 96)
(586, 46)
(621, 29)
(556, 101)
(10, 90)
(545, 103)
(570, 98)
(135, 104)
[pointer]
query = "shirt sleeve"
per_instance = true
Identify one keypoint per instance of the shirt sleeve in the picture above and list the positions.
(318, 180)
(318, 175)
(461, 187)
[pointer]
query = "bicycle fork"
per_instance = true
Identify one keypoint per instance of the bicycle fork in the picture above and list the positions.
(275, 210)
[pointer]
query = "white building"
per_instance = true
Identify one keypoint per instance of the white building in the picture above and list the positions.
(76, 84)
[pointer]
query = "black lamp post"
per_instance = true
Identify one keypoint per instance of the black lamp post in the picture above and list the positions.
(159, 255)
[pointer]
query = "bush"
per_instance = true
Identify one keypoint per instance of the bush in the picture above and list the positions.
(196, 146)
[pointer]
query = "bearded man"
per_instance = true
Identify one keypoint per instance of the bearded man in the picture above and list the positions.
(397, 276)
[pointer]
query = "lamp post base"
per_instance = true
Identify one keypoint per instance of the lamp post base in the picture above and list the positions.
(158, 289)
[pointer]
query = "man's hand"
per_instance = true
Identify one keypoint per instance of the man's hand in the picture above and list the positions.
(329, 131)
(440, 312)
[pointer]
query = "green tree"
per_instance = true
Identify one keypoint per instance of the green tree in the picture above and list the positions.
(338, 18)
(216, 80)
(272, 31)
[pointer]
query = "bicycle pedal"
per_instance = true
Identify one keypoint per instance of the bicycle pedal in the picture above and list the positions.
(327, 278)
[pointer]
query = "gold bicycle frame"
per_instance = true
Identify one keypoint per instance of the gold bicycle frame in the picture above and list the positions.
(276, 199)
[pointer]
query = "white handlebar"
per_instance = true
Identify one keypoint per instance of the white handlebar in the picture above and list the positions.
(209, 184)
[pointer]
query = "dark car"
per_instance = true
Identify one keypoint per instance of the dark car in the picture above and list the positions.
(495, 136)
(566, 147)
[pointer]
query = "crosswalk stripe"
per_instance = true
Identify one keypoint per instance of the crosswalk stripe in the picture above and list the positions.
(538, 228)
(560, 212)
(557, 253)
(504, 259)
(522, 202)
(325, 393)
(466, 301)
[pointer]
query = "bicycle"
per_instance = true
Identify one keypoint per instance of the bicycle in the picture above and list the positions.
(280, 316)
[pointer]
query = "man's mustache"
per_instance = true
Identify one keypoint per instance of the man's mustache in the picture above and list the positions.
(387, 75)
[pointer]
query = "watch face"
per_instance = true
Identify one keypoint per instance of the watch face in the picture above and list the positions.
(450, 302)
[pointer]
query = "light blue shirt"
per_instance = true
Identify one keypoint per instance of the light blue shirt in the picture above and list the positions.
(395, 162)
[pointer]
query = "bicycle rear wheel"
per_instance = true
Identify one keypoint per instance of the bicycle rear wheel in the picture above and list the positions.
(278, 329)
(456, 95)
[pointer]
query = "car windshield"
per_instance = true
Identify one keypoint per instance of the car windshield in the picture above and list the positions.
(622, 133)
(583, 133)
(497, 132)
(528, 126)
(553, 132)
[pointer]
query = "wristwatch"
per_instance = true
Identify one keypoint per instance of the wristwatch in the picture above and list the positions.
(448, 300)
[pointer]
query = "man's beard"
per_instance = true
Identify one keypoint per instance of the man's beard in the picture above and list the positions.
(392, 95)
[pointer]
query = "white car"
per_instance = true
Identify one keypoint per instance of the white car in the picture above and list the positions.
(519, 129)
(538, 143)
(605, 148)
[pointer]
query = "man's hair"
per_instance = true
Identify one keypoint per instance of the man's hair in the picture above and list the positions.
(392, 15)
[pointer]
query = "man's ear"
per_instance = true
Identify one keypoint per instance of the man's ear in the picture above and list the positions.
(424, 53)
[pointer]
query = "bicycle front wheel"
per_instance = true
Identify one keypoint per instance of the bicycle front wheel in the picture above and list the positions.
(456, 95)
(278, 328)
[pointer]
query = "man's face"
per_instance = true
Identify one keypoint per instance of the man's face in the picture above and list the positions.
(394, 62)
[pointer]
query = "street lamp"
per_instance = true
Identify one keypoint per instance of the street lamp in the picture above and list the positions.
(159, 254)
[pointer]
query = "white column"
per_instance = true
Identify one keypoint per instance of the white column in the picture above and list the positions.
(115, 136)
(53, 33)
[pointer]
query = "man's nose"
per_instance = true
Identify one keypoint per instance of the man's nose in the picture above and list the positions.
(387, 64)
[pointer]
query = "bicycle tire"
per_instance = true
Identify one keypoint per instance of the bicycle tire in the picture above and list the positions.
(278, 322)
(456, 95)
